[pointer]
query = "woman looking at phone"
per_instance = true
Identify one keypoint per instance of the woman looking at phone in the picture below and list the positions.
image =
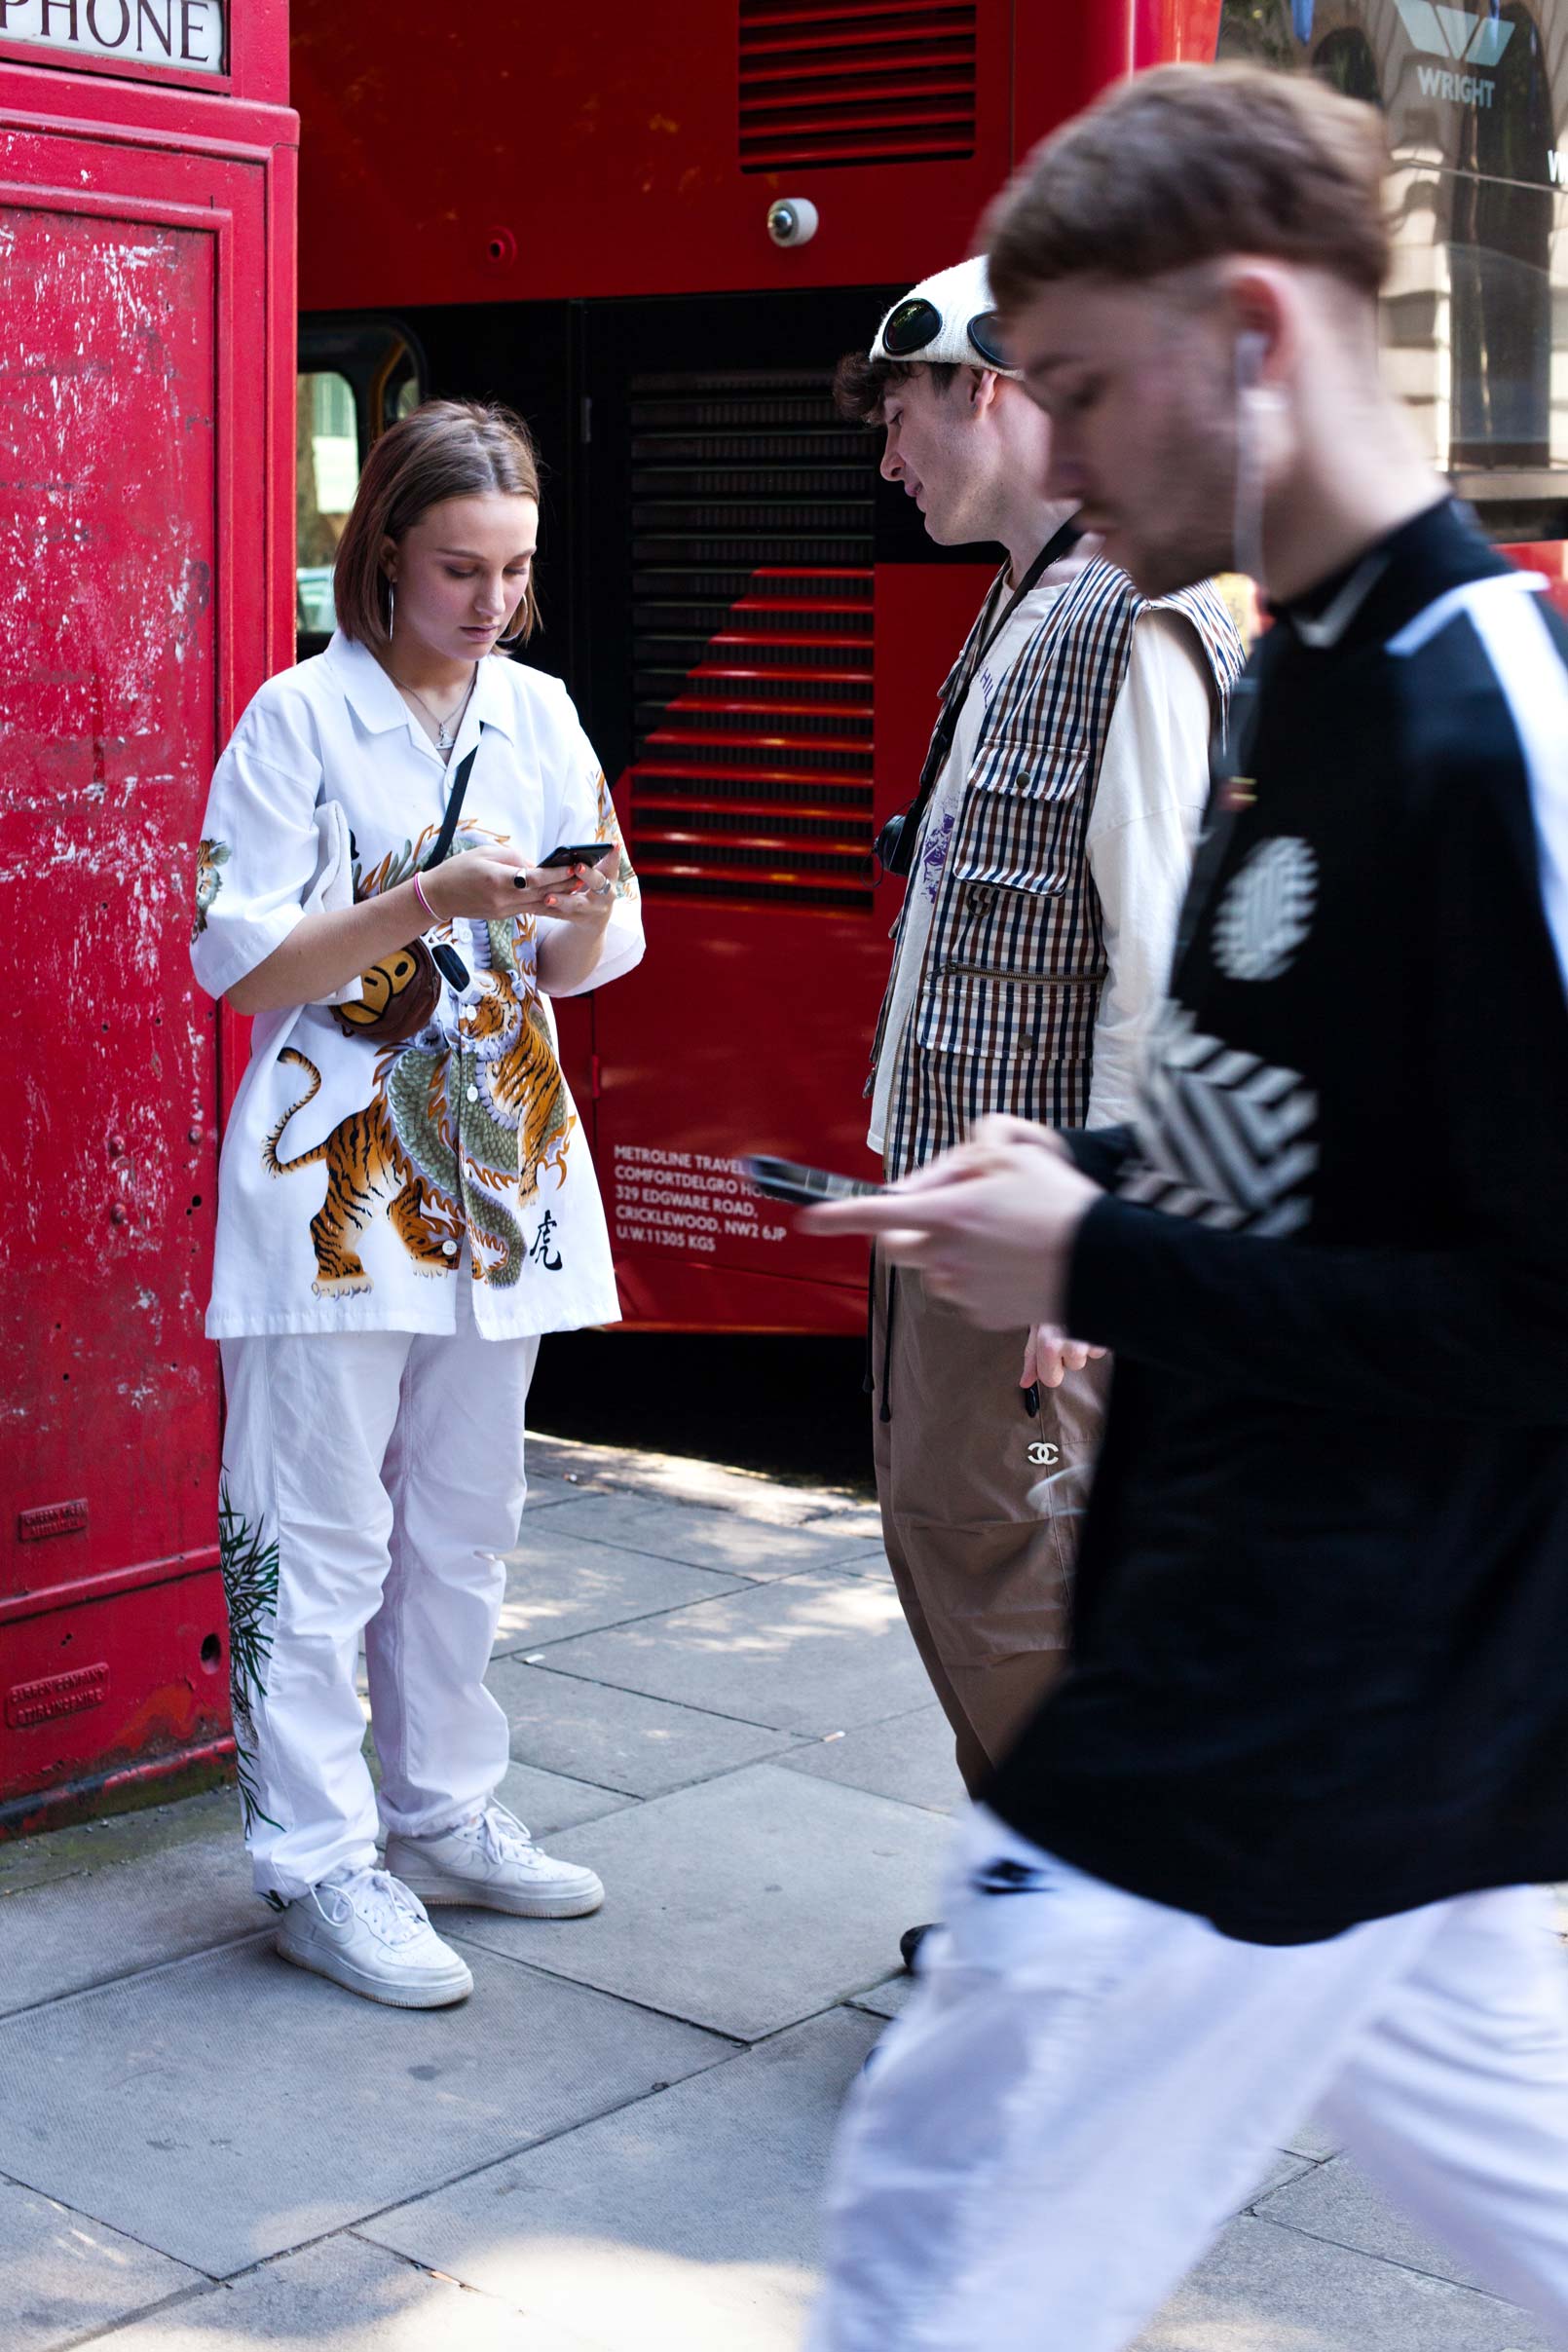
(406, 1200)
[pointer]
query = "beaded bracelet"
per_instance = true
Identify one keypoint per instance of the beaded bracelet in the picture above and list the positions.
(419, 893)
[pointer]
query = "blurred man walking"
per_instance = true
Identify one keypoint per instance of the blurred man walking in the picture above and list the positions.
(1272, 1843)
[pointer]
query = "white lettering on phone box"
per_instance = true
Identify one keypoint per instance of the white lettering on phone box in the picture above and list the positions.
(686, 1200)
(189, 35)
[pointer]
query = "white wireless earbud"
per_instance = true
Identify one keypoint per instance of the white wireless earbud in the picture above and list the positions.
(1251, 349)
(1253, 401)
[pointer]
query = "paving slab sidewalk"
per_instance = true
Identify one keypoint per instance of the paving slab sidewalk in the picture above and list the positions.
(617, 2144)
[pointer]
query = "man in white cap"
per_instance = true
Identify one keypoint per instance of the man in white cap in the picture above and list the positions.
(1046, 852)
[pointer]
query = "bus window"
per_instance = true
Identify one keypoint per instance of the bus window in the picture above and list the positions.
(1501, 260)
(1473, 320)
(356, 378)
(1345, 59)
(326, 444)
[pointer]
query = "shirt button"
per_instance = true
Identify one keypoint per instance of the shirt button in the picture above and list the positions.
(473, 1092)
(449, 1249)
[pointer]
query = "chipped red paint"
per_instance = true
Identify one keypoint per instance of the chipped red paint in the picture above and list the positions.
(146, 530)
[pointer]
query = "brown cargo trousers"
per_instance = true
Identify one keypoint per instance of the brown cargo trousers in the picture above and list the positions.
(981, 1506)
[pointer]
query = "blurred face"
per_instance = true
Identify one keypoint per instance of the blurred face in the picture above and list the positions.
(1140, 391)
(941, 447)
(460, 573)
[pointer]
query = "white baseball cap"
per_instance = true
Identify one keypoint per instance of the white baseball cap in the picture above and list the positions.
(950, 319)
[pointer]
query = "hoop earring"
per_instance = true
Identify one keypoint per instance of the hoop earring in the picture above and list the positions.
(391, 610)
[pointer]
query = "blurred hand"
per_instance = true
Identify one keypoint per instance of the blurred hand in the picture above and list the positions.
(990, 1226)
(996, 1129)
(1049, 1354)
(1000, 1126)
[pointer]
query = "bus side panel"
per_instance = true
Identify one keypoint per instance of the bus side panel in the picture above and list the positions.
(644, 158)
(749, 1030)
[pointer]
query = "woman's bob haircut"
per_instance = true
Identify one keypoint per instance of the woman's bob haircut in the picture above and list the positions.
(444, 449)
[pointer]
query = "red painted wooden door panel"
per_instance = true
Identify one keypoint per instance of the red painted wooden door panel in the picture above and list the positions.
(116, 534)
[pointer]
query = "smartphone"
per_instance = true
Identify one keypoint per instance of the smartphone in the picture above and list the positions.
(578, 853)
(790, 1180)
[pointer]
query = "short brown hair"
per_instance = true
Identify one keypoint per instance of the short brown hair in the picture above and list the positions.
(444, 449)
(860, 383)
(1187, 164)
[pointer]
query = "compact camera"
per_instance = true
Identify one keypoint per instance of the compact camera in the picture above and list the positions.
(895, 843)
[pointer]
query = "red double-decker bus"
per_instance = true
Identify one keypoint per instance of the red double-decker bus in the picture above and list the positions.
(572, 212)
(577, 213)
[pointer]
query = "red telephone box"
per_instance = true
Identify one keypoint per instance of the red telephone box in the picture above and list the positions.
(147, 172)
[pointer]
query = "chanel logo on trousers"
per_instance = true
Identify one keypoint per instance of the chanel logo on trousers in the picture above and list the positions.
(1042, 1451)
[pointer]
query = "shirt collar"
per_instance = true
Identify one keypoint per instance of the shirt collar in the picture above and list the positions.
(378, 705)
(493, 704)
(1369, 599)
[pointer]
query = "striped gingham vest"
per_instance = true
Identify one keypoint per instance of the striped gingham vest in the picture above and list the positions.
(1003, 1018)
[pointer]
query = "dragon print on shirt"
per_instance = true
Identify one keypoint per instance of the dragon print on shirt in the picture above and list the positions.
(400, 1152)
(606, 830)
(249, 1571)
(1222, 1136)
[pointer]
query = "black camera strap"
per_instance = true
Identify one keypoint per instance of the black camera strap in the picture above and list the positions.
(454, 809)
(448, 962)
(899, 858)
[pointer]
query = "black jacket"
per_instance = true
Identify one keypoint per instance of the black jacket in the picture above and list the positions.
(1321, 1660)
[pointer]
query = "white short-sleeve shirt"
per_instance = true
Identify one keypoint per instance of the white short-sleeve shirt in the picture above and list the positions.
(353, 1173)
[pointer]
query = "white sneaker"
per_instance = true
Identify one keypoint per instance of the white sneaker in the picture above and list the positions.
(492, 1861)
(370, 1934)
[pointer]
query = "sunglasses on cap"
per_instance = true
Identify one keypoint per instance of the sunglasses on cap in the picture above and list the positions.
(914, 324)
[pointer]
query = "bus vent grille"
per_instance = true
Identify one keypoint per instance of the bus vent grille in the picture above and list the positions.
(884, 82)
(752, 653)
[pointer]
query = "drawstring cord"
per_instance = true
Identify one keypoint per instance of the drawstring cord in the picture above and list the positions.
(869, 1383)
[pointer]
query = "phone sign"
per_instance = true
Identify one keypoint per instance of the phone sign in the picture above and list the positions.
(189, 35)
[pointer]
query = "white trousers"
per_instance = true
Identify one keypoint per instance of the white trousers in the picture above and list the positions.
(371, 1480)
(1086, 2086)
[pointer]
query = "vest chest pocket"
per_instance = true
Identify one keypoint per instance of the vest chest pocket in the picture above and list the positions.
(1023, 816)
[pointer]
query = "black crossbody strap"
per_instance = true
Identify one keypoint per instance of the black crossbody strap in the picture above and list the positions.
(947, 727)
(454, 809)
(448, 962)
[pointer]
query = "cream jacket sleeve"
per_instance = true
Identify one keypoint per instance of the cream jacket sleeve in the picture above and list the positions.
(1148, 806)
